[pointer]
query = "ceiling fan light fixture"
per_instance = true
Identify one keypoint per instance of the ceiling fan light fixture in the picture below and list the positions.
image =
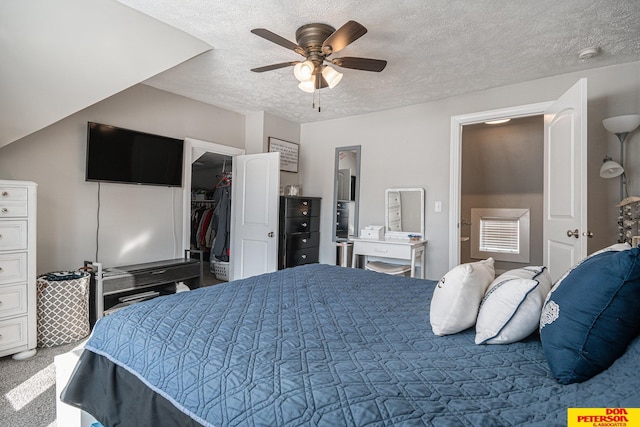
(303, 70)
(308, 86)
(332, 76)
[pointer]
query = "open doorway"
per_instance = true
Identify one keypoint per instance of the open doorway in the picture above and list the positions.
(501, 198)
(565, 227)
(203, 163)
(210, 217)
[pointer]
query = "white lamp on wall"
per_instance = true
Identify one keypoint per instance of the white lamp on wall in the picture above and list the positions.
(621, 126)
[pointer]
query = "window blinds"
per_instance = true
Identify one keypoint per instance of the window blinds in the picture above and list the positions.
(500, 235)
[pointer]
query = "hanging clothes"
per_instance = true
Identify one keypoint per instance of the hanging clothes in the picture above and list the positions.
(221, 220)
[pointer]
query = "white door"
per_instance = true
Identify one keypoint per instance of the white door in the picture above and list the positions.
(565, 180)
(254, 209)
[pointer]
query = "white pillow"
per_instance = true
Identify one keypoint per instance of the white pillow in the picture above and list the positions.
(456, 298)
(510, 310)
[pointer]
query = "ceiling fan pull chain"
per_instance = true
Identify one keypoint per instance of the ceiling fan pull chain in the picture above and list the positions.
(318, 100)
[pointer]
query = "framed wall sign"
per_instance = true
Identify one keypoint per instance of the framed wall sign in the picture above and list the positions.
(288, 153)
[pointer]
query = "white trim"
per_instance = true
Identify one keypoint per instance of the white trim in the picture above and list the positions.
(456, 162)
(192, 145)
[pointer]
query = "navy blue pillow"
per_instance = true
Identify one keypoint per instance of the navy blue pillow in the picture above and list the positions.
(592, 315)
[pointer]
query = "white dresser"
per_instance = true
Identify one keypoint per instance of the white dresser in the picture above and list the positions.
(18, 333)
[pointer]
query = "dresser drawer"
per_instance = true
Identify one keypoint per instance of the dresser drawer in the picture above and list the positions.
(12, 194)
(300, 225)
(13, 268)
(300, 206)
(302, 240)
(302, 256)
(13, 235)
(11, 209)
(382, 249)
(13, 300)
(13, 333)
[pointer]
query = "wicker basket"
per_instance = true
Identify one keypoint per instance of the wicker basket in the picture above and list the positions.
(63, 307)
(221, 270)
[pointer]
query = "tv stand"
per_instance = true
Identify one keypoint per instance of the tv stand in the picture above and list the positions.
(117, 287)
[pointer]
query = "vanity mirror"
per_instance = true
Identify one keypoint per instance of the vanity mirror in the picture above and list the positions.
(346, 193)
(404, 212)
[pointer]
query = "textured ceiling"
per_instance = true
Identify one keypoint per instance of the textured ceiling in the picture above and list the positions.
(434, 48)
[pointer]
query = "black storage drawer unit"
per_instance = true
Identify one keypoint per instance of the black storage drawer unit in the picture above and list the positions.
(301, 225)
(303, 256)
(299, 237)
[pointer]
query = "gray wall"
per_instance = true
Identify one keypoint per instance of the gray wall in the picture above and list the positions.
(405, 147)
(137, 223)
(502, 167)
(409, 147)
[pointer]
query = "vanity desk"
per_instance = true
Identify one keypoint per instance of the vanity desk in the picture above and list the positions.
(392, 248)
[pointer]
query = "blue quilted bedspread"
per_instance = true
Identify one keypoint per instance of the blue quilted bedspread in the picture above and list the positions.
(322, 345)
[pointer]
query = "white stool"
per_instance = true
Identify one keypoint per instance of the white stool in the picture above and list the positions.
(387, 268)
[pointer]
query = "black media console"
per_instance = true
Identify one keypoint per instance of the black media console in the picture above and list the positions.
(117, 287)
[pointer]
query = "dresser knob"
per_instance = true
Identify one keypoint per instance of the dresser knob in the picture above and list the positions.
(304, 202)
(304, 224)
(304, 240)
(305, 212)
(303, 257)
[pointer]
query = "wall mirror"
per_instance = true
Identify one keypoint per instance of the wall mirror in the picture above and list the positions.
(346, 193)
(404, 212)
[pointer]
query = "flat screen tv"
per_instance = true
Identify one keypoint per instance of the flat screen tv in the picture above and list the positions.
(127, 156)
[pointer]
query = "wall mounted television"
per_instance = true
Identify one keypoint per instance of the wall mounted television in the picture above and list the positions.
(127, 156)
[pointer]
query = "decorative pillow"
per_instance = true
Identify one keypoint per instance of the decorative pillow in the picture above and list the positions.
(456, 298)
(510, 310)
(591, 315)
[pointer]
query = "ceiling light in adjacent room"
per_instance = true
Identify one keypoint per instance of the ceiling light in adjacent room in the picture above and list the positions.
(496, 122)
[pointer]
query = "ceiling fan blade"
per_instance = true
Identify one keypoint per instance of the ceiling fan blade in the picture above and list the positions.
(343, 36)
(273, 66)
(365, 64)
(273, 37)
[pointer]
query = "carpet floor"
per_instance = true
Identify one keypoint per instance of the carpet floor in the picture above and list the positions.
(27, 389)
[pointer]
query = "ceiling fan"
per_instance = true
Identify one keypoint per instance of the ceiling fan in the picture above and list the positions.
(316, 42)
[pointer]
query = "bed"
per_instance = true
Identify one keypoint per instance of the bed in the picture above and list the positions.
(321, 345)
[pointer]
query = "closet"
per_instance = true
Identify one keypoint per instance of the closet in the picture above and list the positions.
(210, 224)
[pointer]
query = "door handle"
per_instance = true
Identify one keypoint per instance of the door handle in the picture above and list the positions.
(271, 234)
(588, 234)
(575, 233)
